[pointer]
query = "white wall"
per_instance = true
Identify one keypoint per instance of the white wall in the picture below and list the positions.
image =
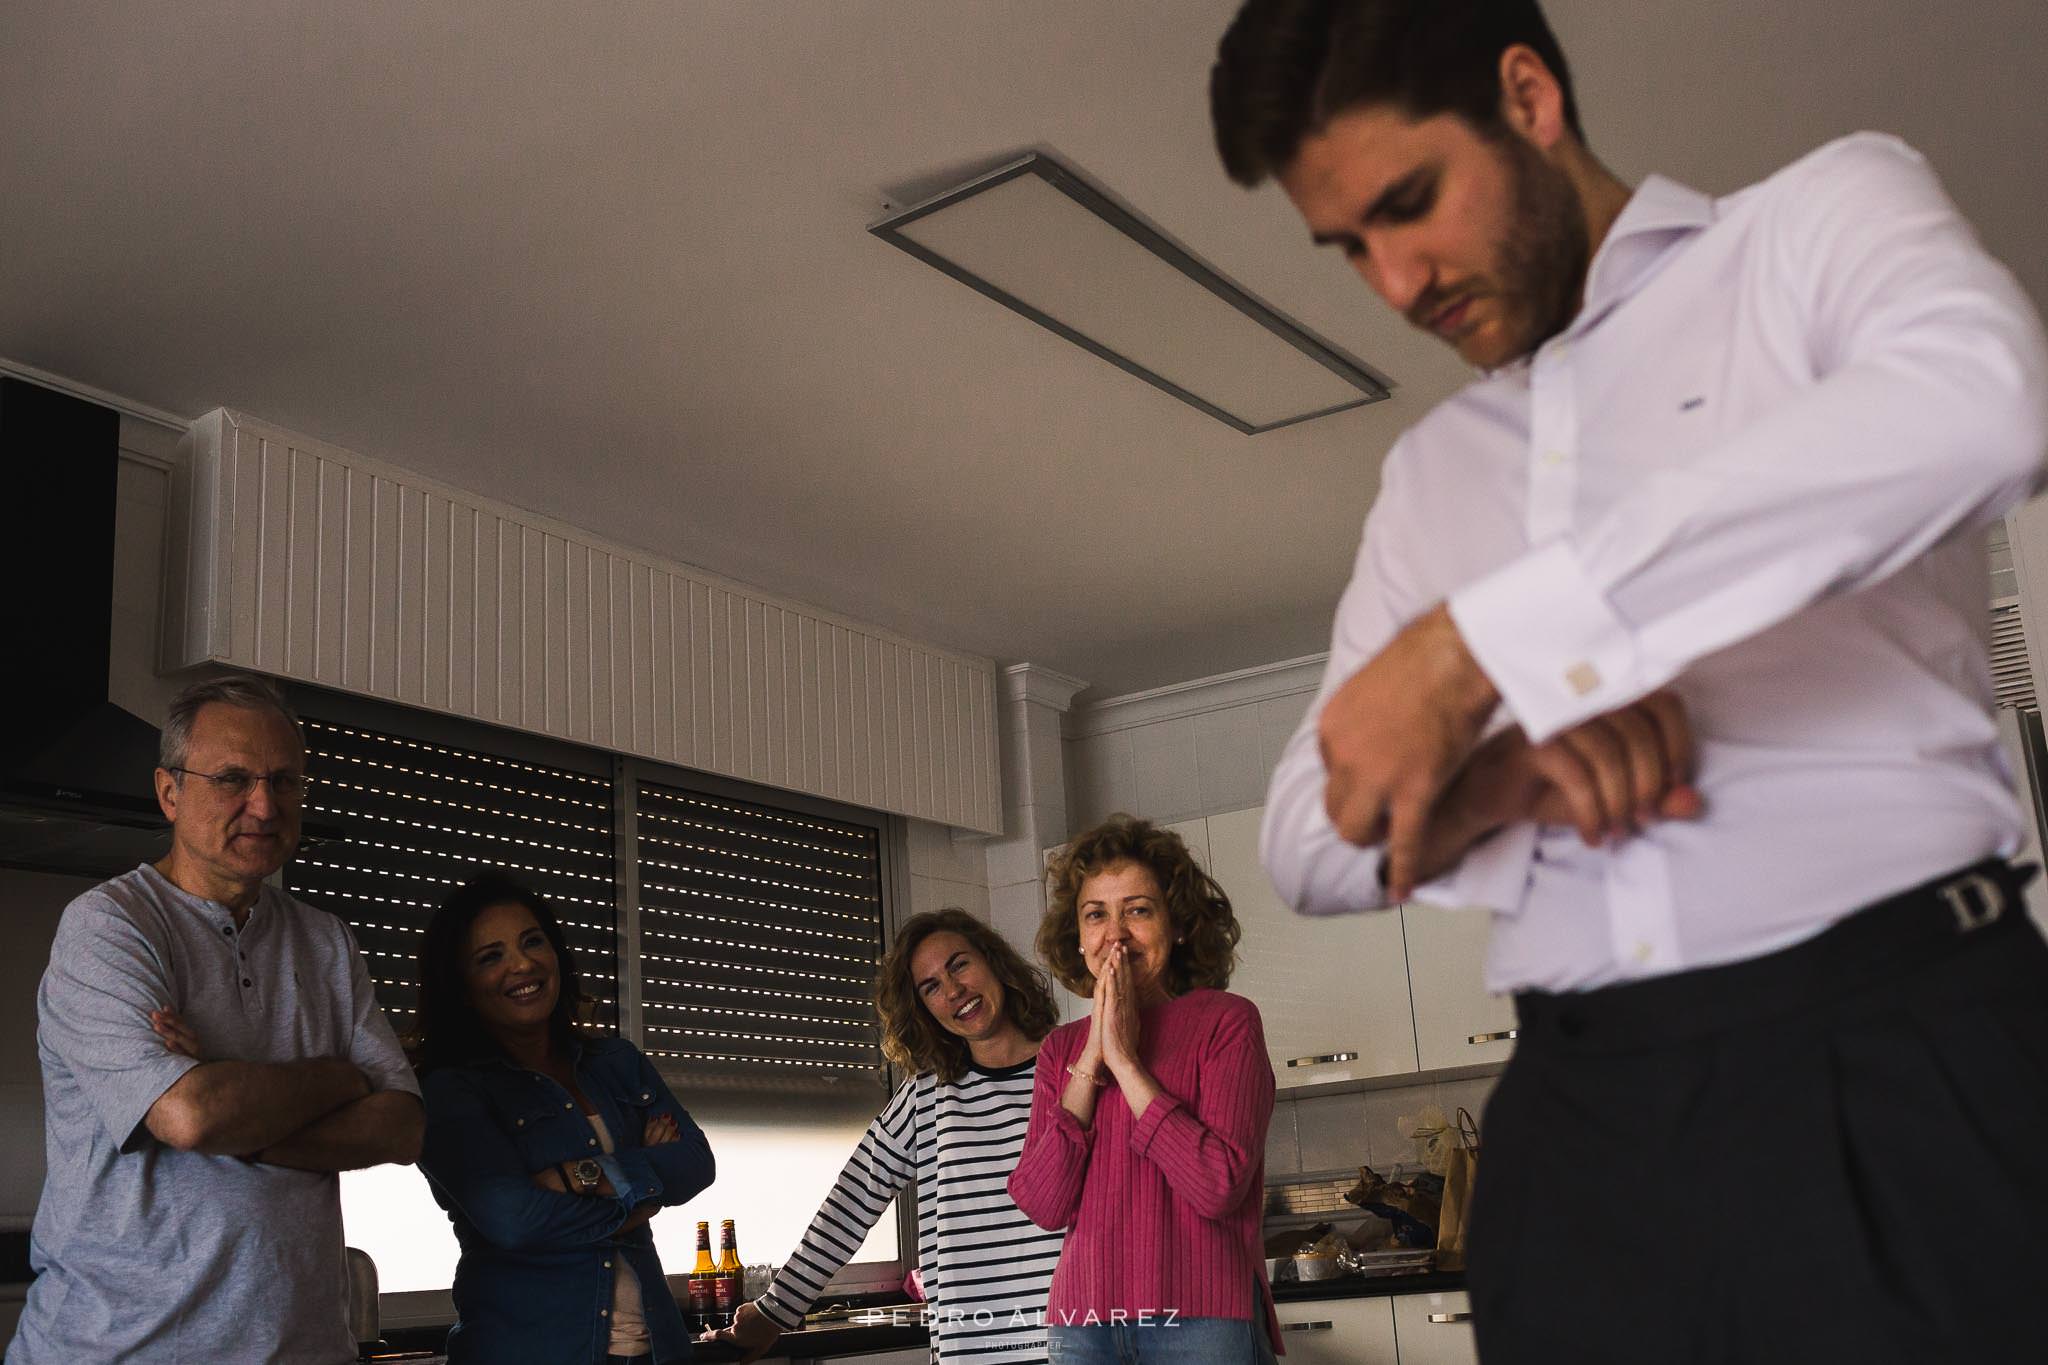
(1198, 748)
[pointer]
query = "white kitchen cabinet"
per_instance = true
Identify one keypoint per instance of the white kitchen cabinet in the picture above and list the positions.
(1333, 988)
(1338, 1332)
(1434, 1329)
(1457, 1023)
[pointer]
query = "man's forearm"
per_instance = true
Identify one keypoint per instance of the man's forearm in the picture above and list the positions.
(377, 1129)
(234, 1108)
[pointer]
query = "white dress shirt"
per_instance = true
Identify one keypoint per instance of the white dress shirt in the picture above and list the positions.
(1755, 468)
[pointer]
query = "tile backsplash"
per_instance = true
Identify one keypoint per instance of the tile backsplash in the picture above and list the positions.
(1343, 1131)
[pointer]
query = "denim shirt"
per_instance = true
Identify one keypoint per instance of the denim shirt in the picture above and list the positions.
(534, 1284)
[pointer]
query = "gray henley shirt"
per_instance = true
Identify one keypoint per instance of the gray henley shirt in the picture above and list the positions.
(145, 1253)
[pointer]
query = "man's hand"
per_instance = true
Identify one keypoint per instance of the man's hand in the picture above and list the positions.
(1607, 777)
(751, 1331)
(1395, 735)
(177, 1034)
(661, 1128)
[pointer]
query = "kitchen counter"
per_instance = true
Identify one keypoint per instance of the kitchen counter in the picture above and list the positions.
(812, 1343)
(1373, 1287)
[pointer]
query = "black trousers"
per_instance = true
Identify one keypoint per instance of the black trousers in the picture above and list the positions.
(1835, 1153)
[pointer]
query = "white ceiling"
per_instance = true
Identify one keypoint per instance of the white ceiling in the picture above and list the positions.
(609, 262)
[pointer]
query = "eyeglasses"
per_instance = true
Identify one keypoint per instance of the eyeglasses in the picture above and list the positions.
(286, 786)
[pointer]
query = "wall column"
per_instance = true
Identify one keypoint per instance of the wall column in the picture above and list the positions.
(1034, 798)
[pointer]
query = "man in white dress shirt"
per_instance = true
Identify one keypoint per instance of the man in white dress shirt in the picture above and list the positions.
(1714, 499)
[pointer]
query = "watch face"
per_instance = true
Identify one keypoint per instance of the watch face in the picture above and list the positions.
(588, 1172)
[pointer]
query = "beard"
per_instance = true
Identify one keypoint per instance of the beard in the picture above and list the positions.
(1540, 264)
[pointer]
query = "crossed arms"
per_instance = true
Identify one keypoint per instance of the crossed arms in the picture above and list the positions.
(318, 1114)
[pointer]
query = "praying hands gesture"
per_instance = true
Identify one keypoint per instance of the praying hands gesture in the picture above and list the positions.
(1111, 1051)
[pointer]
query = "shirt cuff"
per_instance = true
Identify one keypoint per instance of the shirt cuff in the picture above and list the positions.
(1545, 637)
(1147, 1126)
(630, 1189)
(1493, 874)
(1072, 1127)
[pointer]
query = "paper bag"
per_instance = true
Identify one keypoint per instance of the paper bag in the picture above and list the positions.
(1459, 1174)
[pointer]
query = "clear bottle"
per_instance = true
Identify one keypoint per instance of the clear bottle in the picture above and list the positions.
(704, 1315)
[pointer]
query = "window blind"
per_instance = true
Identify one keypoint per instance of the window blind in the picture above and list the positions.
(413, 820)
(760, 929)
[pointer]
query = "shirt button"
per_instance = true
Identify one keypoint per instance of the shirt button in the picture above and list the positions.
(645, 1095)
(519, 1123)
(607, 1265)
(1554, 458)
(568, 1104)
(247, 982)
(228, 929)
(604, 1312)
(1581, 678)
(593, 1142)
(1643, 952)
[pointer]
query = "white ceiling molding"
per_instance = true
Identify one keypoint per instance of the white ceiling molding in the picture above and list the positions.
(1286, 678)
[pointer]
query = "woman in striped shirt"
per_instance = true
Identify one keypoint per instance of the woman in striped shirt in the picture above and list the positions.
(965, 1014)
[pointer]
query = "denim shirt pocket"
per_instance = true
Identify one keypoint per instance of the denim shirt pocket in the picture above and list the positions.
(546, 1130)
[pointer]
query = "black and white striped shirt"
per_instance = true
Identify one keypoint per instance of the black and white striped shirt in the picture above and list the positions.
(985, 1266)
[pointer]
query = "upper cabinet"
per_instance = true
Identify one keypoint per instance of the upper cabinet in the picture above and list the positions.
(1333, 993)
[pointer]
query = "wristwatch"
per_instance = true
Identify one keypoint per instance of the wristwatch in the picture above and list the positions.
(584, 1175)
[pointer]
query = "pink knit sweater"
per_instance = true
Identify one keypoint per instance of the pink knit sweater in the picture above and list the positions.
(1163, 1212)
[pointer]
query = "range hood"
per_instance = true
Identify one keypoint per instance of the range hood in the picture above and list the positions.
(76, 786)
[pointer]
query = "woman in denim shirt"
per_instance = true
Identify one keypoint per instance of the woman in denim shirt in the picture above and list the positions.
(550, 1152)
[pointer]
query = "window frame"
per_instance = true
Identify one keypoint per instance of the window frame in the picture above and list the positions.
(426, 1308)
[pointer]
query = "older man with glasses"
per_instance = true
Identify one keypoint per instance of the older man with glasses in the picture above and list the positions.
(212, 1055)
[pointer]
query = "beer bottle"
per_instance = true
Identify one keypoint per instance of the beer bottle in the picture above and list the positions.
(703, 1293)
(731, 1284)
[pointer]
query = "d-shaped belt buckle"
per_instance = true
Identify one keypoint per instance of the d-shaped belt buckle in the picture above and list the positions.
(1973, 912)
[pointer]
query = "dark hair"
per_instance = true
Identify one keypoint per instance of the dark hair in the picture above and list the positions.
(1285, 68)
(1204, 925)
(447, 1031)
(911, 1037)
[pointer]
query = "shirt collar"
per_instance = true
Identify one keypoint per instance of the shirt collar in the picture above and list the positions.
(1659, 216)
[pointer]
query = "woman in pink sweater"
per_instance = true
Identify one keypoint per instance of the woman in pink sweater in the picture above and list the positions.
(1148, 1122)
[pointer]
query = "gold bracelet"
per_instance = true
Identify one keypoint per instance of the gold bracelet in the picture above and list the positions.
(1091, 1077)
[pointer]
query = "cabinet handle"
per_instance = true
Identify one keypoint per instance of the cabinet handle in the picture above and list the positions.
(1308, 1326)
(1503, 1036)
(1450, 1317)
(1326, 1057)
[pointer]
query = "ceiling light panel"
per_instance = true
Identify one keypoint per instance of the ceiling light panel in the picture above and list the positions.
(1037, 238)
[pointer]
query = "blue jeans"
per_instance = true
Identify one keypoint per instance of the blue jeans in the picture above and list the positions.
(1183, 1341)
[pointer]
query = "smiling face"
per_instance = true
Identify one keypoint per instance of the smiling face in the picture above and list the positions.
(510, 968)
(223, 846)
(954, 982)
(1123, 906)
(1480, 241)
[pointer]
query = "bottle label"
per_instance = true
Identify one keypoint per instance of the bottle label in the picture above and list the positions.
(727, 1290)
(703, 1290)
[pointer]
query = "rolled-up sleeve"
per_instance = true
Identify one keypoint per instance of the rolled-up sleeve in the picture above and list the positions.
(670, 1172)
